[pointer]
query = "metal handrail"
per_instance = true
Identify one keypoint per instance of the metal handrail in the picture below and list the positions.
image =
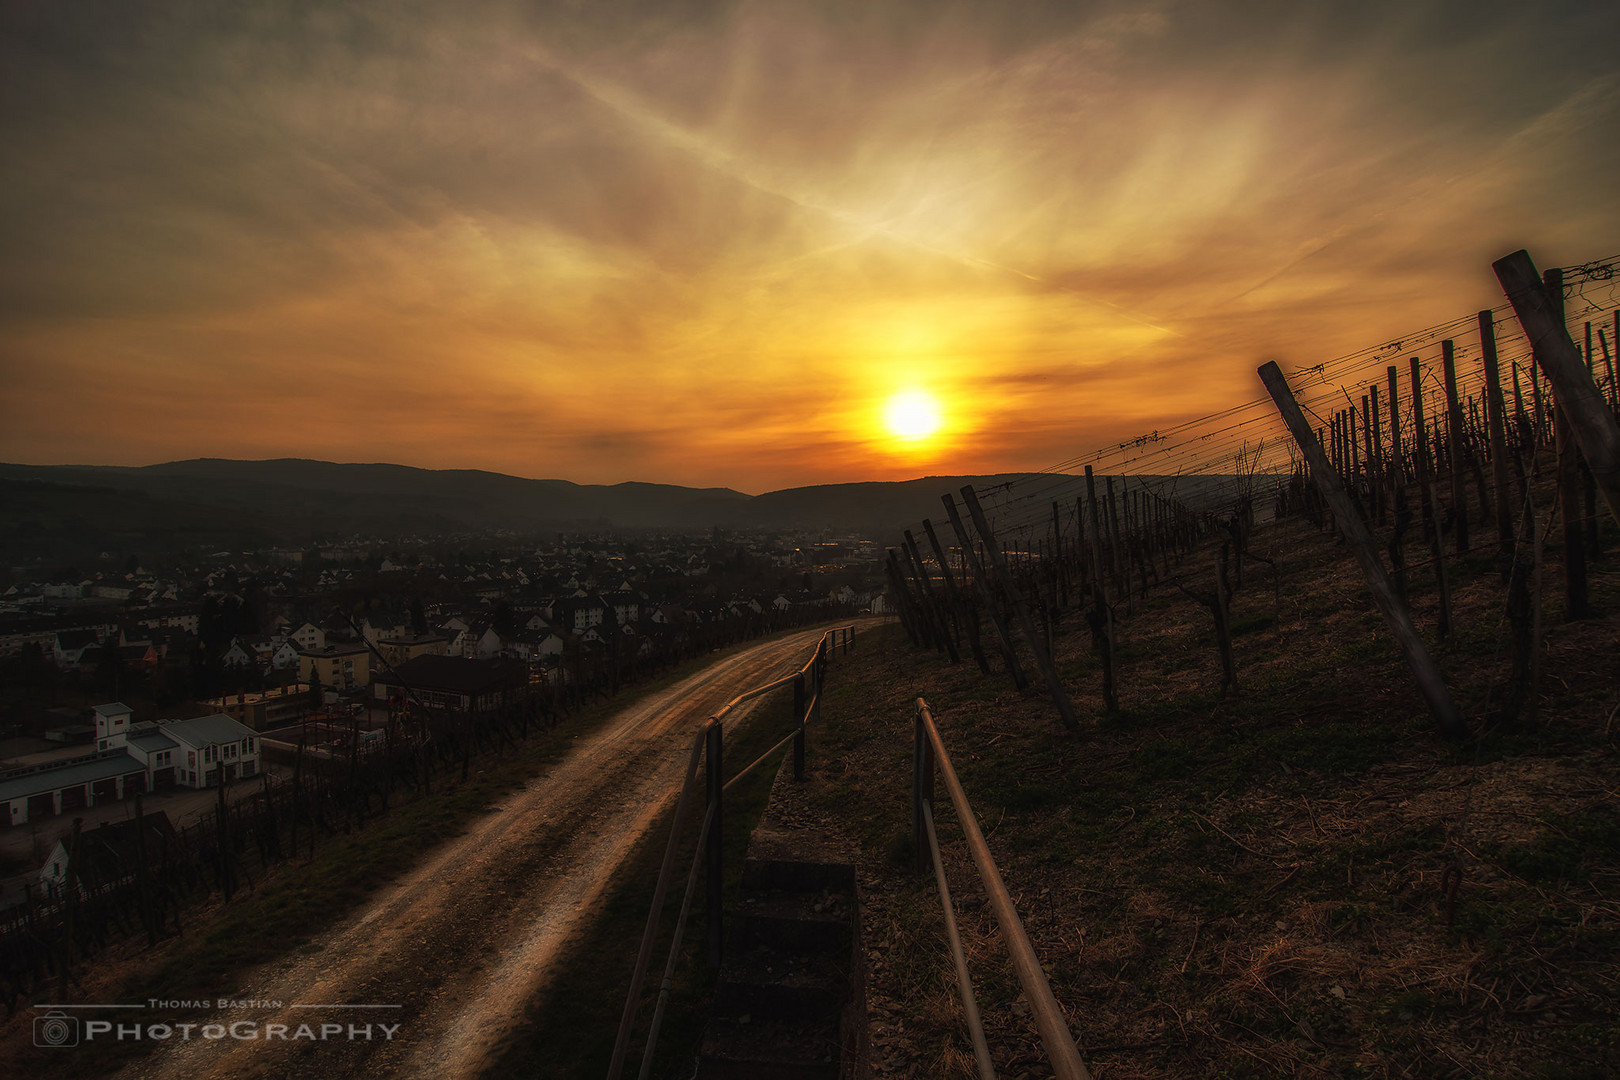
(1053, 1026)
(710, 735)
(970, 1007)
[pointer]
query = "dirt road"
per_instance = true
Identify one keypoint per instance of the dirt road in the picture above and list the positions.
(447, 957)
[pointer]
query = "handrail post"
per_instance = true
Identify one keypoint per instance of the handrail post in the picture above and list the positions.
(712, 857)
(798, 728)
(922, 791)
(820, 681)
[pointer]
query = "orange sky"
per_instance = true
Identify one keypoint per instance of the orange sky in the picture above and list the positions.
(705, 243)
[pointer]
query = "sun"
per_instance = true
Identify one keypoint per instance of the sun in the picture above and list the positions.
(912, 415)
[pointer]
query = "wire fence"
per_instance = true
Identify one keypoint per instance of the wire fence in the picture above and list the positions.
(1210, 462)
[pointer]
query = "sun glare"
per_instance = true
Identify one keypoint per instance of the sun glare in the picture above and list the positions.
(912, 415)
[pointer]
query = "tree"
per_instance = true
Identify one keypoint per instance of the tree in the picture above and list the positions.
(108, 664)
(503, 620)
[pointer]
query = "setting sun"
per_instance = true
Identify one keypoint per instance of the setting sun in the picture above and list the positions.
(912, 415)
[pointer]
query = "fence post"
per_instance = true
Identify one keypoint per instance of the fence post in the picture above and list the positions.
(947, 634)
(1043, 660)
(798, 727)
(1496, 423)
(1008, 654)
(902, 600)
(1454, 446)
(715, 775)
(922, 790)
(822, 659)
(969, 620)
(1430, 682)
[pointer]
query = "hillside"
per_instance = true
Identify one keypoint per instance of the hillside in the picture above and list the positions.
(1298, 878)
(67, 512)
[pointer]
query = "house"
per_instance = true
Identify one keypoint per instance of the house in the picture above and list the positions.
(625, 606)
(76, 648)
(398, 650)
(486, 645)
(109, 854)
(459, 641)
(452, 682)
(112, 719)
(269, 709)
(579, 614)
(209, 746)
(308, 636)
(156, 752)
(342, 667)
(236, 656)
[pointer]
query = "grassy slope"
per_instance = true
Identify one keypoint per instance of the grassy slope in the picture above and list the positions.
(1255, 885)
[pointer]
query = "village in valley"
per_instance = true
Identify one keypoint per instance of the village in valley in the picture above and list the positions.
(165, 683)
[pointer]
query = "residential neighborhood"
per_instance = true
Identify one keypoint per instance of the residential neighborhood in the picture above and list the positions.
(124, 679)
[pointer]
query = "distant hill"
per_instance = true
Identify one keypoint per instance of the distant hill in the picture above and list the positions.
(73, 512)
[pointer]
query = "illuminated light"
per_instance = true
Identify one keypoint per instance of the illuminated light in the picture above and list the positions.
(912, 415)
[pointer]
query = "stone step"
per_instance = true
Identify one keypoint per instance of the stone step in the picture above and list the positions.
(749, 1049)
(809, 924)
(774, 985)
(796, 860)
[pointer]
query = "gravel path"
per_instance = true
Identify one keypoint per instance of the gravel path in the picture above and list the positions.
(460, 945)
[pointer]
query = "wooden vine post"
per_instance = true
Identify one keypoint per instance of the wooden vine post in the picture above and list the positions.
(964, 615)
(976, 568)
(1592, 424)
(1102, 609)
(1431, 684)
(1454, 446)
(1043, 659)
(1496, 421)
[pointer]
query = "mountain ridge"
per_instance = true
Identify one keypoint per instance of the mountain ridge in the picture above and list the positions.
(236, 503)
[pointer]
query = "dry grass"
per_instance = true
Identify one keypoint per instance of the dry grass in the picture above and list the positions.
(1300, 879)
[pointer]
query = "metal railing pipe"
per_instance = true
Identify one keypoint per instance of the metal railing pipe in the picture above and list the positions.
(716, 878)
(1053, 1026)
(668, 984)
(970, 1007)
(627, 1021)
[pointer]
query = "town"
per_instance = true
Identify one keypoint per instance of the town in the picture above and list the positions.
(125, 679)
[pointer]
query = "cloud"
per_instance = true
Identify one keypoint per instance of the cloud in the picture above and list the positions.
(701, 242)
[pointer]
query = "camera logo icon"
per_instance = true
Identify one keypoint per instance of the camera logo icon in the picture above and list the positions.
(56, 1028)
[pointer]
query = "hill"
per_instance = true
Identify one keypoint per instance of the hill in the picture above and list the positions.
(68, 512)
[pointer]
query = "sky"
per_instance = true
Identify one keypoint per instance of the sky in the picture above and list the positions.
(713, 243)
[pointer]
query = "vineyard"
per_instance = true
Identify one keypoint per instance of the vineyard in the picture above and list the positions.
(1323, 786)
(1422, 465)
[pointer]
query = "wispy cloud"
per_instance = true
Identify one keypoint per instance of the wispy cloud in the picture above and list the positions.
(701, 242)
